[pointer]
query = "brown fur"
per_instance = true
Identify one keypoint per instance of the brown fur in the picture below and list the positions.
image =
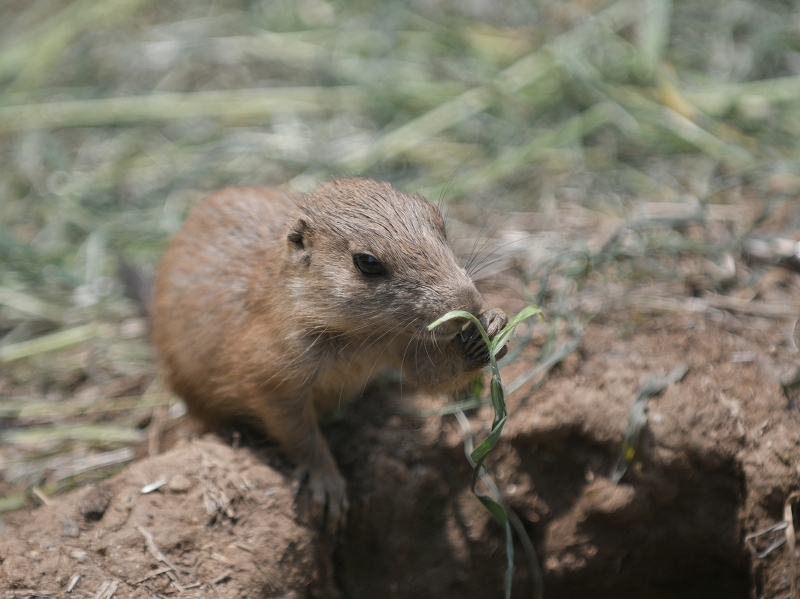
(260, 313)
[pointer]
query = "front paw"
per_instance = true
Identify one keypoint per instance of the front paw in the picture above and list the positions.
(328, 489)
(471, 345)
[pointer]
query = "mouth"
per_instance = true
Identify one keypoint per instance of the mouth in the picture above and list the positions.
(447, 331)
(443, 336)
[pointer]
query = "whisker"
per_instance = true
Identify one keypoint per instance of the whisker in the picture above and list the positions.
(471, 255)
(361, 350)
(375, 363)
(450, 180)
(504, 256)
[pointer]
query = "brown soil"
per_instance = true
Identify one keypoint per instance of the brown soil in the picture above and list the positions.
(717, 462)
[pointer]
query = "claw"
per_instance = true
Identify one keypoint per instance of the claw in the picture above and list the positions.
(471, 341)
(328, 491)
(299, 476)
(503, 351)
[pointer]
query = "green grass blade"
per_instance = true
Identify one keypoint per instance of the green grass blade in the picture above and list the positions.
(504, 335)
(89, 432)
(48, 343)
(451, 315)
(482, 450)
(494, 508)
(31, 305)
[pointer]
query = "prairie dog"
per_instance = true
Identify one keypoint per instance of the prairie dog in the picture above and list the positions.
(277, 307)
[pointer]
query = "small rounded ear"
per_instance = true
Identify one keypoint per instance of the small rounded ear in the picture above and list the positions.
(297, 234)
(298, 238)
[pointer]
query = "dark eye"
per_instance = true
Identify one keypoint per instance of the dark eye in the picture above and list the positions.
(369, 266)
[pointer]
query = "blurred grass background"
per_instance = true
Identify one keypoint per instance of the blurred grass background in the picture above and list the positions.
(600, 142)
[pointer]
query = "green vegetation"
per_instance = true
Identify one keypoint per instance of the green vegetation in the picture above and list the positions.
(477, 456)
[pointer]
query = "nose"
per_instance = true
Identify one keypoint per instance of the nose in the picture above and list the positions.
(468, 299)
(454, 293)
(460, 297)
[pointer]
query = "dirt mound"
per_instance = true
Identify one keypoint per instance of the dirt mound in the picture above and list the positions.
(716, 462)
(222, 525)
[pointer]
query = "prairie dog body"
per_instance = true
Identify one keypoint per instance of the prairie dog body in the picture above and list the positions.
(277, 308)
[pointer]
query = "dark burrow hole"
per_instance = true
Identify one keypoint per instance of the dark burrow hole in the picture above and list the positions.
(409, 532)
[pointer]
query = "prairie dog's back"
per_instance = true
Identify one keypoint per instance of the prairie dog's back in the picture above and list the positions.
(203, 287)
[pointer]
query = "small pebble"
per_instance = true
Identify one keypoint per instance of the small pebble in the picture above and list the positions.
(179, 484)
(69, 528)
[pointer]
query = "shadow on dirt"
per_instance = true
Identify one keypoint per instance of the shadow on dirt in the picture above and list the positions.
(415, 530)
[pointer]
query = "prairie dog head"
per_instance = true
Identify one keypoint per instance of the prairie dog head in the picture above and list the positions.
(365, 257)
